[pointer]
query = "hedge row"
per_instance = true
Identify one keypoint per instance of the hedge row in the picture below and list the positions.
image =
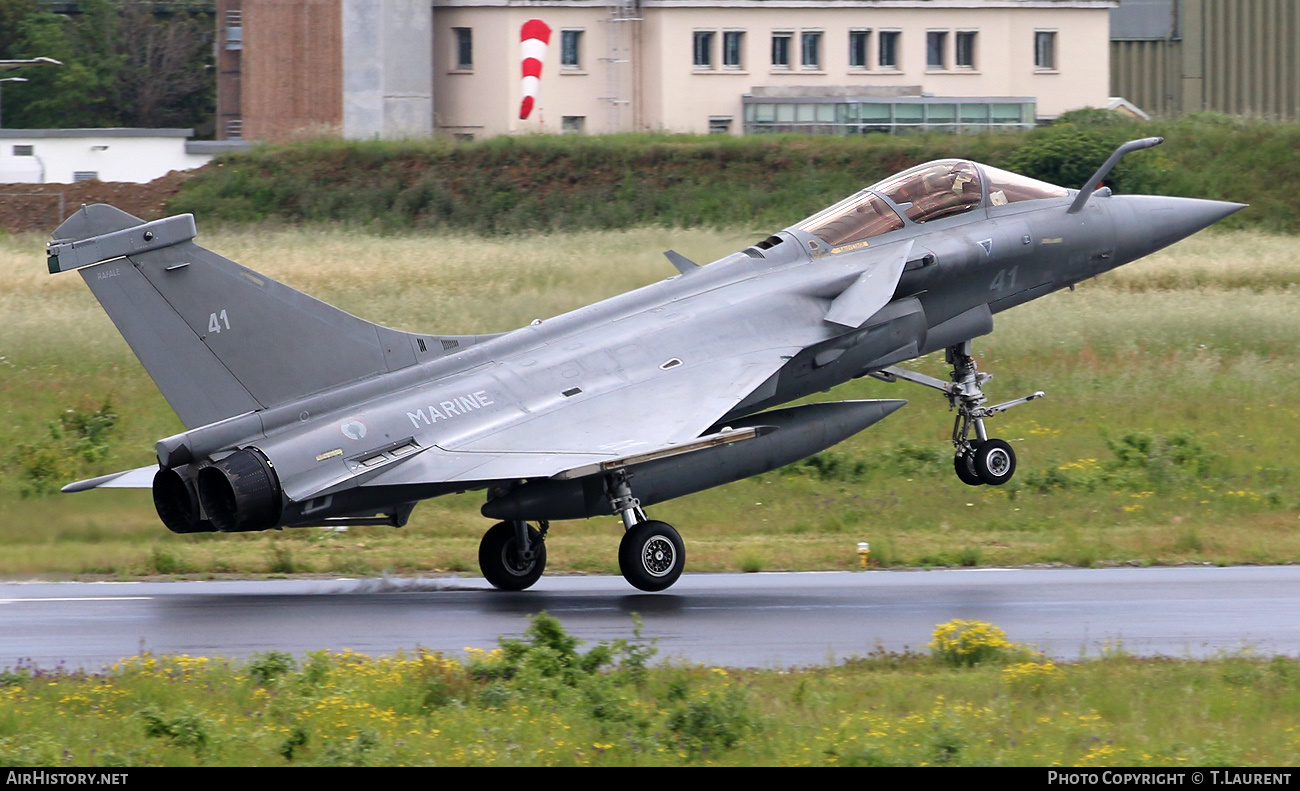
(553, 183)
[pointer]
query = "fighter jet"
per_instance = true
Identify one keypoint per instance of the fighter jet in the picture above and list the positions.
(297, 414)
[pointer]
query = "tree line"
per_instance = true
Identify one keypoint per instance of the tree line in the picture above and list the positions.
(125, 63)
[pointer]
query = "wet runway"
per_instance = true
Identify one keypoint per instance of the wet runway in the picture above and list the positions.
(755, 620)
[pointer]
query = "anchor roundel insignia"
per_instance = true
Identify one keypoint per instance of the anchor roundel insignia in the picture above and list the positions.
(353, 429)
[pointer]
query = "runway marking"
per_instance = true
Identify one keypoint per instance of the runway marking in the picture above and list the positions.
(78, 598)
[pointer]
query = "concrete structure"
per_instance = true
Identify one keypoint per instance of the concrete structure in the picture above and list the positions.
(1233, 56)
(404, 68)
(64, 156)
(387, 68)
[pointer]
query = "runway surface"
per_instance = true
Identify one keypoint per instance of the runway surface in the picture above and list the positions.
(750, 620)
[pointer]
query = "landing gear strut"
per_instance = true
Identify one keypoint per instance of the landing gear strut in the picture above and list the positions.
(512, 555)
(979, 459)
(651, 554)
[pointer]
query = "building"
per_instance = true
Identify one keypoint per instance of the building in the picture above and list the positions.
(65, 156)
(409, 68)
(1234, 56)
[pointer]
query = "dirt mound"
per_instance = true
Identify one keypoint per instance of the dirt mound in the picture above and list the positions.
(35, 207)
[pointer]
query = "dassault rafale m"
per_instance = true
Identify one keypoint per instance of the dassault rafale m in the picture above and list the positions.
(297, 414)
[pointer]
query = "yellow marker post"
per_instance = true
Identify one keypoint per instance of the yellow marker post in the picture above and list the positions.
(864, 550)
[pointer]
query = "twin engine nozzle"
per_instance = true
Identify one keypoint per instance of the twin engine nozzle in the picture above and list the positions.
(240, 493)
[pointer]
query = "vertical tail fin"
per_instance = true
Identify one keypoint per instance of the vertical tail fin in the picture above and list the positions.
(219, 339)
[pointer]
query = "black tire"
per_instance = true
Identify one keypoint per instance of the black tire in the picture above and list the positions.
(496, 558)
(994, 462)
(964, 464)
(651, 555)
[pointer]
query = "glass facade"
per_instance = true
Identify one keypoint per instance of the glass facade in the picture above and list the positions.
(856, 116)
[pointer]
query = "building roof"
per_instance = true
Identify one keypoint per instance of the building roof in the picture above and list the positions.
(107, 132)
(881, 4)
(215, 147)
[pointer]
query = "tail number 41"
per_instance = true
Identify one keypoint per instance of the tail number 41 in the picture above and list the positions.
(216, 321)
(1006, 278)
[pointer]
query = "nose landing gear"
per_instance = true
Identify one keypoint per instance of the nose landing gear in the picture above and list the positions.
(978, 460)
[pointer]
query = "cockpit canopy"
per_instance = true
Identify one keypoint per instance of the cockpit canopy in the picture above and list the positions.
(933, 190)
(926, 192)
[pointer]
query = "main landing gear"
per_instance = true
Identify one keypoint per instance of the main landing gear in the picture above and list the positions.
(979, 459)
(651, 555)
(512, 555)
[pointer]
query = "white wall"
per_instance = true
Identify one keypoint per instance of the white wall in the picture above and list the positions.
(113, 154)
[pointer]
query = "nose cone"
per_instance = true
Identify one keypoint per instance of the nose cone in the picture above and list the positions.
(1146, 223)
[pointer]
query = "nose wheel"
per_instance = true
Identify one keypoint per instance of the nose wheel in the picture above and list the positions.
(979, 459)
(992, 461)
(964, 463)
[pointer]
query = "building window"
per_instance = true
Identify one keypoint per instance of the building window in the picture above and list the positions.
(888, 46)
(23, 151)
(235, 129)
(461, 137)
(704, 49)
(810, 50)
(234, 29)
(85, 175)
(858, 48)
(781, 50)
(571, 49)
(573, 124)
(936, 50)
(733, 48)
(464, 48)
(966, 49)
(719, 124)
(1045, 49)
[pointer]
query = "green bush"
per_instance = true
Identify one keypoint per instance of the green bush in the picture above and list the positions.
(1143, 462)
(267, 666)
(184, 729)
(76, 442)
(715, 722)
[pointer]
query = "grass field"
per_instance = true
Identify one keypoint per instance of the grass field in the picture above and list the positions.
(1168, 434)
(974, 700)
